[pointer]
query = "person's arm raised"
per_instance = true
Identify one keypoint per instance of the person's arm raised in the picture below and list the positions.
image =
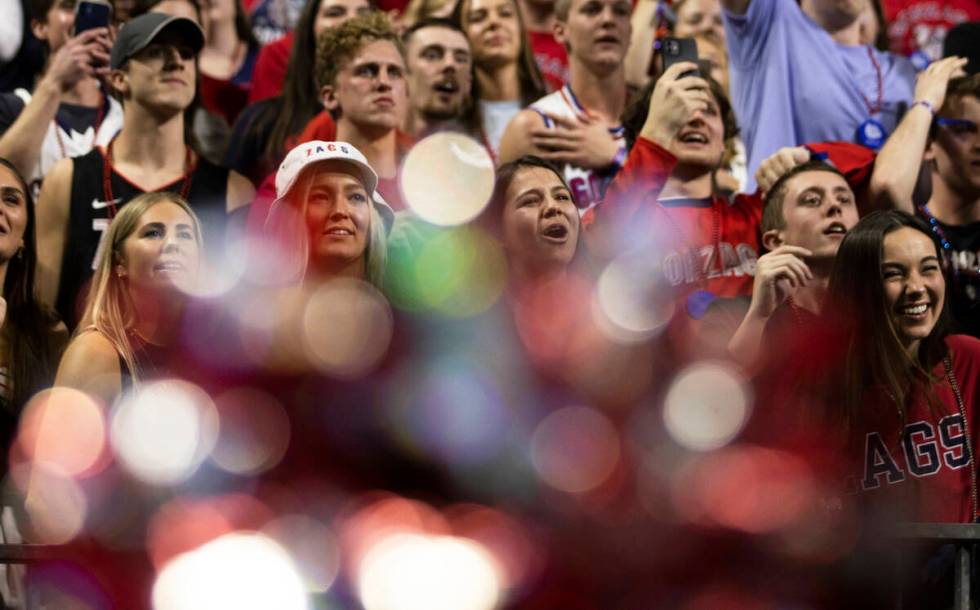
(21, 143)
(640, 52)
(897, 167)
(52, 229)
(674, 101)
(739, 7)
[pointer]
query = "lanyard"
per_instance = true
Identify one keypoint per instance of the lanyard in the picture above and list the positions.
(185, 188)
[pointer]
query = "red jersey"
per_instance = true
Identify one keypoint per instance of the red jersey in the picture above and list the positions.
(551, 57)
(921, 25)
(709, 244)
(927, 472)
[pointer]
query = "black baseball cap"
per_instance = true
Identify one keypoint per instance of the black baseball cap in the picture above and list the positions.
(136, 34)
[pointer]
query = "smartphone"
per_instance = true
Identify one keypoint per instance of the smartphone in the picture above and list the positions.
(677, 50)
(91, 14)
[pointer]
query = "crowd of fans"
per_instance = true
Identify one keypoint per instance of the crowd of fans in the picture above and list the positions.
(487, 303)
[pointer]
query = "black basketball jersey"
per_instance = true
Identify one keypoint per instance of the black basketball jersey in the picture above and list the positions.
(88, 220)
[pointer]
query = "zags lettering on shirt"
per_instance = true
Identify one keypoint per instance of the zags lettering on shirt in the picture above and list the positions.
(923, 452)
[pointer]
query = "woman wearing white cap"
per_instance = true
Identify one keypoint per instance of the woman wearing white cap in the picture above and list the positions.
(326, 195)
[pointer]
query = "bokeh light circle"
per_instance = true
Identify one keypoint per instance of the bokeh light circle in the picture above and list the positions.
(632, 300)
(418, 572)
(240, 571)
(460, 273)
(447, 178)
(253, 434)
(706, 406)
(575, 449)
(63, 427)
(55, 503)
(347, 328)
(312, 545)
(162, 431)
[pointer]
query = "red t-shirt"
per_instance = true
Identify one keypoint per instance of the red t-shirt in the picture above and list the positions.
(551, 57)
(684, 230)
(928, 473)
(922, 24)
(709, 245)
(270, 69)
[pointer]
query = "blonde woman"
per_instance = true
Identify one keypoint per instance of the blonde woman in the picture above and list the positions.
(149, 261)
(328, 219)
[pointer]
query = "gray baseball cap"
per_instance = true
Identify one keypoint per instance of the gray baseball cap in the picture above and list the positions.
(136, 34)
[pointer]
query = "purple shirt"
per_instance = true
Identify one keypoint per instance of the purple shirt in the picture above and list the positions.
(791, 83)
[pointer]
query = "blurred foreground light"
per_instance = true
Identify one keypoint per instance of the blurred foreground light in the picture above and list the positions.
(506, 538)
(550, 318)
(65, 428)
(436, 424)
(220, 274)
(162, 431)
(707, 405)
(575, 449)
(447, 178)
(189, 521)
(312, 545)
(384, 517)
(633, 301)
(239, 571)
(417, 572)
(253, 432)
(461, 272)
(748, 488)
(55, 503)
(347, 327)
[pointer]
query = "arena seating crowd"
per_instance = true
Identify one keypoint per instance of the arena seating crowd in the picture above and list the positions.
(476, 304)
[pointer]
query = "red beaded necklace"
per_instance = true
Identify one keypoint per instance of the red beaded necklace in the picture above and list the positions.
(189, 166)
(797, 311)
(881, 86)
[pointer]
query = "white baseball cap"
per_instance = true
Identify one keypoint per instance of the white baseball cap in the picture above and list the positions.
(309, 153)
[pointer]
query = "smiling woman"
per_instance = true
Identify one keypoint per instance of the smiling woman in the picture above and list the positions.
(326, 193)
(31, 339)
(138, 295)
(902, 383)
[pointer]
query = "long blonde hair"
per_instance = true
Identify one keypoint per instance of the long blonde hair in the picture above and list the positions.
(108, 308)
